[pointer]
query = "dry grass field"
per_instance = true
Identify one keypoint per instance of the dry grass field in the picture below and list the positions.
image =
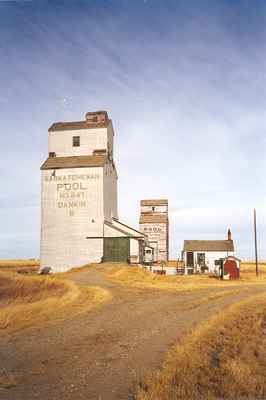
(137, 277)
(29, 300)
(30, 265)
(222, 359)
(250, 267)
(19, 263)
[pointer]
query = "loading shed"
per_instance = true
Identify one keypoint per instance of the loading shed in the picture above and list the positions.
(121, 243)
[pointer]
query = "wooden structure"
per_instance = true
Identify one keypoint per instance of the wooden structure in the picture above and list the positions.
(154, 224)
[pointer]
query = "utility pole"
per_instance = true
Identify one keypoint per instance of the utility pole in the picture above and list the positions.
(256, 243)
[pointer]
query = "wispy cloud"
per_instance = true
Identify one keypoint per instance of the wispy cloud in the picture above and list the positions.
(184, 85)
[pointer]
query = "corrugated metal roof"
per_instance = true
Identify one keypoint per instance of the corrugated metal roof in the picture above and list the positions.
(208, 245)
(147, 219)
(154, 202)
(74, 162)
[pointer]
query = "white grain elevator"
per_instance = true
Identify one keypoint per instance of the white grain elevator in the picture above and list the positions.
(79, 191)
(79, 217)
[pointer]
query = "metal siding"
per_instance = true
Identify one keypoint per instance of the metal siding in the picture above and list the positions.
(64, 227)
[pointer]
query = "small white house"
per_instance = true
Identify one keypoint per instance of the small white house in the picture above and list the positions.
(205, 255)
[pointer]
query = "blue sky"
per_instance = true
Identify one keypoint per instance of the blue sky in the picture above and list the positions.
(185, 85)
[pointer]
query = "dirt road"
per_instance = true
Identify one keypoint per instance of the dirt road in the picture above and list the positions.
(101, 354)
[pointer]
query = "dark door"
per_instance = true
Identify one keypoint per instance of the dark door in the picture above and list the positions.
(190, 259)
(116, 249)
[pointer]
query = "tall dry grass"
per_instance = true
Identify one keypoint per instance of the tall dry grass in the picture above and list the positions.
(29, 300)
(138, 277)
(29, 289)
(30, 265)
(223, 359)
(250, 267)
(19, 263)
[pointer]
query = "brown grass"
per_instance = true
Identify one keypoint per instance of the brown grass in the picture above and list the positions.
(222, 359)
(23, 266)
(137, 277)
(19, 263)
(7, 380)
(27, 301)
(250, 267)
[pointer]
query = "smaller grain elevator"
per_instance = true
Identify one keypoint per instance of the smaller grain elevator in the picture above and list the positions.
(154, 223)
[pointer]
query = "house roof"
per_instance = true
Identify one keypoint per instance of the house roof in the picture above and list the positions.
(115, 228)
(93, 119)
(232, 257)
(159, 218)
(77, 125)
(123, 231)
(74, 162)
(154, 202)
(208, 245)
(129, 227)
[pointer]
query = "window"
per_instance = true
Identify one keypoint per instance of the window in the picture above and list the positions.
(148, 251)
(153, 208)
(201, 258)
(76, 141)
(52, 154)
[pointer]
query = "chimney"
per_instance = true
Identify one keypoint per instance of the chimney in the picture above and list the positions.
(229, 234)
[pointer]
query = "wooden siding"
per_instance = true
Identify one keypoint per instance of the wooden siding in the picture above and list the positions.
(154, 224)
